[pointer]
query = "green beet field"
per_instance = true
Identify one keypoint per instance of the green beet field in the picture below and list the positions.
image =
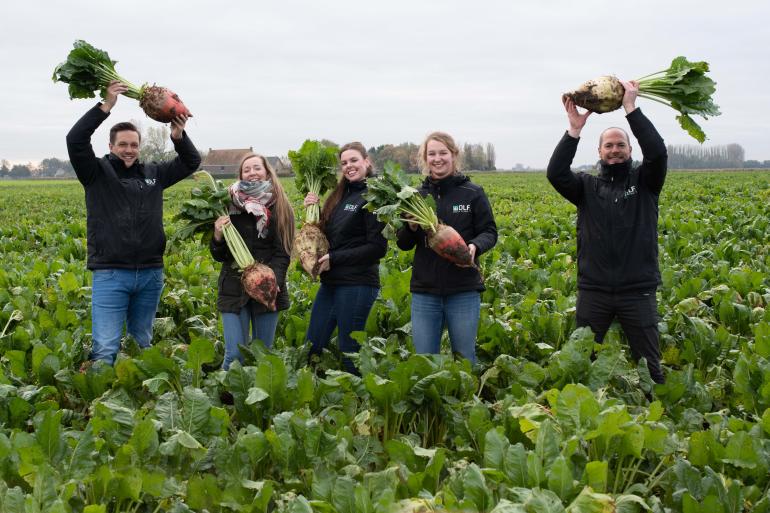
(538, 425)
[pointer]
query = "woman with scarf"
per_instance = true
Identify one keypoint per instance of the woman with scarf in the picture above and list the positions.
(350, 278)
(262, 214)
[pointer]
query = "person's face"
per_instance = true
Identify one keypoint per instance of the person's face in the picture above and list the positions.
(354, 165)
(614, 147)
(440, 160)
(253, 170)
(126, 146)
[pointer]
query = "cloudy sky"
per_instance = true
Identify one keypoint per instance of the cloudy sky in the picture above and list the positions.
(270, 74)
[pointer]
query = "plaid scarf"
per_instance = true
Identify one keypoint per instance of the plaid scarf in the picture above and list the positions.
(256, 198)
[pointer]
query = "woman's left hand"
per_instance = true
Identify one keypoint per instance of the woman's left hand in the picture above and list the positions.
(472, 249)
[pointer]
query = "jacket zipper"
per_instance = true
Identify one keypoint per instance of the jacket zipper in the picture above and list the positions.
(613, 200)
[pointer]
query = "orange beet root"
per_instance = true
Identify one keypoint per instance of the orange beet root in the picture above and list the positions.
(162, 104)
(450, 245)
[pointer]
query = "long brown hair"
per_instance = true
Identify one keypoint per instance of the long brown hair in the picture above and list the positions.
(336, 195)
(283, 214)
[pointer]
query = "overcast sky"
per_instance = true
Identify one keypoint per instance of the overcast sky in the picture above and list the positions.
(271, 74)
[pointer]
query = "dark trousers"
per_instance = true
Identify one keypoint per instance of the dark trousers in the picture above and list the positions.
(637, 313)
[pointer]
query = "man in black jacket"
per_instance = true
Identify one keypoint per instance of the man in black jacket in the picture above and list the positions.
(124, 219)
(617, 236)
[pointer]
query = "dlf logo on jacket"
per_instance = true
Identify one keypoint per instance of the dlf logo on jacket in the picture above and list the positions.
(457, 209)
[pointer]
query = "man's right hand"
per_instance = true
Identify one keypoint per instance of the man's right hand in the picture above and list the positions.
(111, 98)
(576, 120)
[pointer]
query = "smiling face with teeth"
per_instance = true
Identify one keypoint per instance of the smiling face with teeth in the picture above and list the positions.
(614, 146)
(439, 156)
(440, 160)
(354, 165)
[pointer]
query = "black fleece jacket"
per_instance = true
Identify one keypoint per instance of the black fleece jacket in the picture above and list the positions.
(617, 212)
(124, 206)
(463, 206)
(356, 244)
(231, 296)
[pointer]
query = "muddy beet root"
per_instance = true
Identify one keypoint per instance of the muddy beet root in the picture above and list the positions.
(450, 245)
(162, 104)
(310, 244)
(259, 283)
(602, 94)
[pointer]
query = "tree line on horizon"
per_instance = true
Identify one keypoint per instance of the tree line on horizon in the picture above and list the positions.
(475, 157)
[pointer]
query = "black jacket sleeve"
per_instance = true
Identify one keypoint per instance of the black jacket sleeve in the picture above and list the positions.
(567, 183)
(652, 172)
(219, 250)
(407, 239)
(187, 161)
(367, 253)
(81, 153)
(484, 225)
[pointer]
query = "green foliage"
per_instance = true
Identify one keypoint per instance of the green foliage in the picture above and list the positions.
(684, 87)
(315, 170)
(547, 420)
(391, 197)
(88, 69)
(206, 204)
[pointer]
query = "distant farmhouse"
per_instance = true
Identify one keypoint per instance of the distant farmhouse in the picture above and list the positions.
(224, 163)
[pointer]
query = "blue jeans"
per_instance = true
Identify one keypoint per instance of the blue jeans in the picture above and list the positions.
(236, 329)
(458, 312)
(123, 297)
(340, 306)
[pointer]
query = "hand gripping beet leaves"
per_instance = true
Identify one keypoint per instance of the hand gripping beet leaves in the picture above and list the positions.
(207, 204)
(395, 201)
(89, 69)
(684, 87)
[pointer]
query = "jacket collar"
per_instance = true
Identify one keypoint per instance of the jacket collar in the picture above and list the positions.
(356, 186)
(616, 171)
(445, 183)
(120, 166)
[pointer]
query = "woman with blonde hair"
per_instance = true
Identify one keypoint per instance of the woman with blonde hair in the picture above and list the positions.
(262, 214)
(444, 294)
(350, 277)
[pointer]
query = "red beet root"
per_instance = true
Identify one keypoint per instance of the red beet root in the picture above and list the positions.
(162, 104)
(450, 245)
(259, 282)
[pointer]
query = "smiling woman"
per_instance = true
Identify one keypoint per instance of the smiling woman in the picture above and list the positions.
(443, 292)
(350, 279)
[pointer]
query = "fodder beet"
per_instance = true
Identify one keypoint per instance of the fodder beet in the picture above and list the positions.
(310, 244)
(450, 245)
(259, 283)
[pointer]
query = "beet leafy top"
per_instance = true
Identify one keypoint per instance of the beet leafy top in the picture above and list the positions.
(89, 69)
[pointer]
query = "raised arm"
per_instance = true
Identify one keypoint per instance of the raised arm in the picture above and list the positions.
(559, 173)
(655, 156)
(79, 147)
(188, 159)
